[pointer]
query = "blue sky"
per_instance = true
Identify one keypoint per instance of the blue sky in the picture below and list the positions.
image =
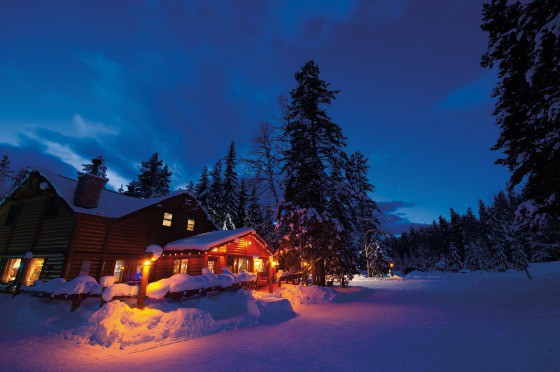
(129, 78)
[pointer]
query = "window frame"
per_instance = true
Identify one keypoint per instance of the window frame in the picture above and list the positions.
(167, 217)
(191, 224)
(180, 266)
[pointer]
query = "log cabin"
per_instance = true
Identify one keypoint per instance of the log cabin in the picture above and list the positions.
(78, 227)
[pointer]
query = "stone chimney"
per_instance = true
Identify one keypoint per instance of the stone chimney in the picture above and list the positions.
(89, 186)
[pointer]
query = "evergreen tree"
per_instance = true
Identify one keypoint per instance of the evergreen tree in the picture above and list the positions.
(241, 208)
(363, 207)
(154, 178)
(380, 259)
(191, 187)
(131, 189)
(454, 262)
(308, 230)
(6, 175)
(97, 169)
(229, 187)
(202, 188)
(499, 261)
(524, 45)
(216, 196)
(476, 255)
(519, 258)
(254, 214)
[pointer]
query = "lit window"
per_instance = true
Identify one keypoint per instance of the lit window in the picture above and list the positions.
(167, 219)
(190, 224)
(35, 271)
(180, 266)
(211, 265)
(119, 270)
(10, 272)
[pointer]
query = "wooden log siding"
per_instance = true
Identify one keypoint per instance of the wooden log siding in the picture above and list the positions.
(87, 243)
(25, 226)
(163, 267)
(55, 233)
(52, 267)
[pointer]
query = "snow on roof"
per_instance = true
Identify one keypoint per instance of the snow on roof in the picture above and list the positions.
(111, 204)
(203, 242)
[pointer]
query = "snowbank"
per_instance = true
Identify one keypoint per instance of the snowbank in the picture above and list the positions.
(306, 295)
(79, 285)
(184, 282)
(242, 277)
(119, 289)
(118, 325)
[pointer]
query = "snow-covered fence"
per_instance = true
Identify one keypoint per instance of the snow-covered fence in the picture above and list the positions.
(183, 285)
(76, 290)
(175, 287)
(287, 276)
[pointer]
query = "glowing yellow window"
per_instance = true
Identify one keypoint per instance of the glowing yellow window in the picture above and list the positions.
(35, 270)
(167, 219)
(180, 266)
(10, 272)
(190, 224)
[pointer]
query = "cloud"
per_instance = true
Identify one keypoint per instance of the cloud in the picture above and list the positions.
(392, 220)
(474, 94)
(84, 128)
(51, 144)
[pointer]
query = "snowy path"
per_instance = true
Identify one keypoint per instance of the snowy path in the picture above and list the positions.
(461, 322)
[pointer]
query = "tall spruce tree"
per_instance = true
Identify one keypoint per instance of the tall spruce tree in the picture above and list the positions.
(202, 187)
(363, 207)
(229, 187)
(154, 178)
(524, 46)
(241, 218)
(314, 148)
(215, 198)
(6, 175)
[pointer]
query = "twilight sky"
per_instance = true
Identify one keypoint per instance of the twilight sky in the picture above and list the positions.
(129, 78)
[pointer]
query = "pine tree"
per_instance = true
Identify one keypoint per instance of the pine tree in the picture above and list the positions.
(476, 255)
(6, 175)
(241, 218)
(97, 169)
(519, 259)
(202, 187)
(154, 178)
(380, 259)
(363, 207)
(191, 187)
(499, 261)
(216, 196)
(314, 148)
(254, 213)
(131, 189)
(229, 187)
(454, 262)
(524, 45)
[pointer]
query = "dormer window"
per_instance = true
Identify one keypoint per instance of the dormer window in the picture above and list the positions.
(190, 224)
(167, 219)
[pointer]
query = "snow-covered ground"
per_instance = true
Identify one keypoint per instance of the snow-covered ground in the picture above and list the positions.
(428, 321)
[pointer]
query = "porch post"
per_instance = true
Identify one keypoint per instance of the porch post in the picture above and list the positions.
(23, 271)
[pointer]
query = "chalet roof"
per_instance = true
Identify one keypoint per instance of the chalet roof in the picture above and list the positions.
(204, 242)
(111, 204)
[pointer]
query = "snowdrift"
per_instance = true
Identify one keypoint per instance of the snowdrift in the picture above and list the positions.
(117, 325)
(307, 295)
(79, 285)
